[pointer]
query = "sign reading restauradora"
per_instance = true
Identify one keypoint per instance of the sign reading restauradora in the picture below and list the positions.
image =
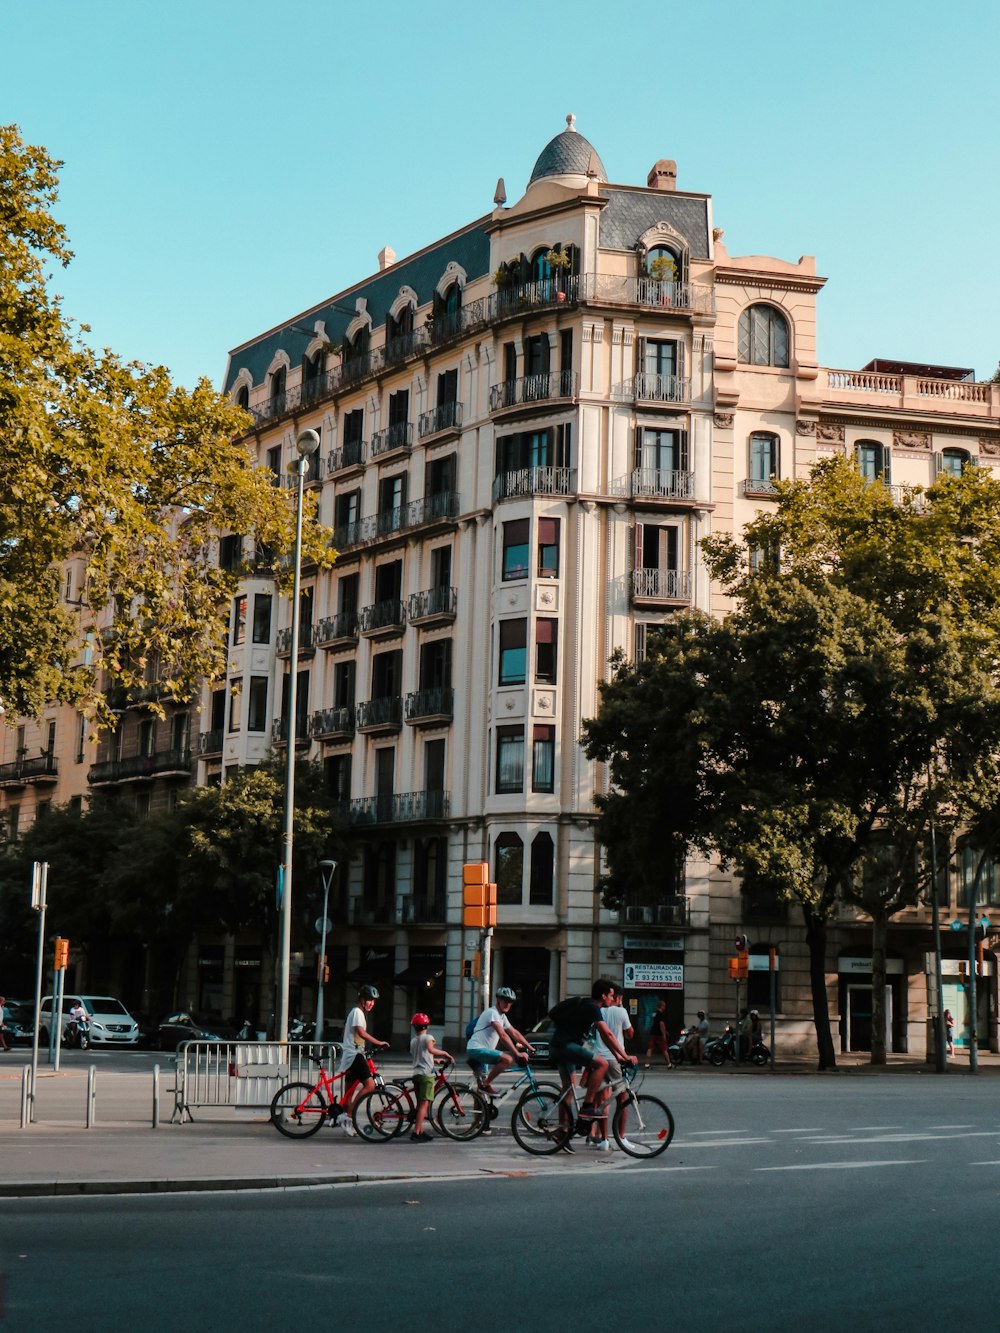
(654, 976)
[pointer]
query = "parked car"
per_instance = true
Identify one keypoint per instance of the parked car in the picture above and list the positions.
(184, 1026)
(111, 1024)
(540, 1037)
(19, 1020)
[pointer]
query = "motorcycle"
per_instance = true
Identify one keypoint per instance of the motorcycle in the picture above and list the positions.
(724, 1048)
(681, 1052)
(299, 1029)
(77, 1034)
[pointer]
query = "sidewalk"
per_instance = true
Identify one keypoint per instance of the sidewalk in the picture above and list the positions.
(227, 1149)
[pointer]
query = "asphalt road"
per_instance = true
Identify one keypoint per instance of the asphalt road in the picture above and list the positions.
(783, 1203)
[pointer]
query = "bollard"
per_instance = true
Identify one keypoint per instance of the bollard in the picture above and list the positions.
(26, 1096)
(91, 1096)
(156, 1096)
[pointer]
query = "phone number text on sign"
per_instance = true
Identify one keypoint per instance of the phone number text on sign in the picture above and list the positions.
(654, 976)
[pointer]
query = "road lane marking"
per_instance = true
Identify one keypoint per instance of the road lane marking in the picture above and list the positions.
(808, 1129)
(696, 1132)
(914, 1137)
(869, 1129)
(723, 1143)
(843, 1166)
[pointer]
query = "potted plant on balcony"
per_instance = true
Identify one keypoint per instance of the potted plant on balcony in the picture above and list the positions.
(663, 271)
(560, 264)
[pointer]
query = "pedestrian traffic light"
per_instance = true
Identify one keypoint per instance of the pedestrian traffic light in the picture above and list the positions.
(467, 968)
(62, 954)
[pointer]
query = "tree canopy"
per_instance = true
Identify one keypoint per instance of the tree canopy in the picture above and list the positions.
(111, 464)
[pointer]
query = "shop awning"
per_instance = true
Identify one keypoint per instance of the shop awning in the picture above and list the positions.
(419, 971)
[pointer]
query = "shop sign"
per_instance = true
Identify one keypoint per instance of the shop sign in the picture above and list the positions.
(761, 962)
(653, 976)
(892, 965)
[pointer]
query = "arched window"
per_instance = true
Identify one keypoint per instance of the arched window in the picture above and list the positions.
(542, 867)
(873, 460)
(243, 398)
(954, 461)
(541, 269)
(763, 336)
(278, 388)
(508, 868)
(759, 979)
(312, 374)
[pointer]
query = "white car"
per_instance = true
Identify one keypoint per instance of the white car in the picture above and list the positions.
(111, 1024)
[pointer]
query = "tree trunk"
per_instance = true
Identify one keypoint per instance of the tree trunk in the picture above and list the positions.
(880, 931)
(816, 939)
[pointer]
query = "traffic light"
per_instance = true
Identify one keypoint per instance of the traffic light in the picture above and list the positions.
(467, 968)
(479, 896)
(742, 943)
(62, 954)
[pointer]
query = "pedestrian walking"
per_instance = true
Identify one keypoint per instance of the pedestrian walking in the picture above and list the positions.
(4, 1043)
(949, 1032)
(658, 1037)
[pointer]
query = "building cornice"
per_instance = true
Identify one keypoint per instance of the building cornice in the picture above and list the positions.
(766, 279)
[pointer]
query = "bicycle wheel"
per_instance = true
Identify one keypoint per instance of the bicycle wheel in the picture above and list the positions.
(381, 1114)
(459, 1111)
(298, 1110)
(536, 1123)
(643, 1126)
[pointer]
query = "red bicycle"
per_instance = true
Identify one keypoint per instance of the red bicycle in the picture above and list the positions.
(300, 1109)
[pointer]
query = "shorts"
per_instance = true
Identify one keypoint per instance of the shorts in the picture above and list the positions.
(614, 1068)
(659, 1044)
(568, 1056)
(357, 1071)
(423, 1087)
(484, 1056)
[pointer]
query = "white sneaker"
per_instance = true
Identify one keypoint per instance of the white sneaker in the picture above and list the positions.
(602, 1145)
(626, 1144)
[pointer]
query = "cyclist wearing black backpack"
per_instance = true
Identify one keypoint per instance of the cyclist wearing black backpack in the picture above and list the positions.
(488, 1032)
(576, 1021)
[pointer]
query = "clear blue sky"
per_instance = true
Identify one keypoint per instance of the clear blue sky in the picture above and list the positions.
(232, 162)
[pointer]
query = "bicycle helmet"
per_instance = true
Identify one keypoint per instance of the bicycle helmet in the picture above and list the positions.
(505, 993)
(368, 993)
(420, 1021)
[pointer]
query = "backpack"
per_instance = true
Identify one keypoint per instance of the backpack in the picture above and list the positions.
(470, 1027)
(568, 1014)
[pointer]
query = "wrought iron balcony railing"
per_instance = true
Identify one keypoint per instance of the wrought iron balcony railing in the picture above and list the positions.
(332, 723)
(667, 585)
(758, 486)
(386, 615)
(384, 714)
(400, 807)
(138, 766)
(351, 454)
(516, 298)
(279, 730)
(534, 481)
(417, 513)
(437, 703)
(446, 416)
(432, 603)
(448, 326)
(674, 912)
(405, 344)
(655, 484)
(397, 436)
(210, 742)
(283, 643)
(42, 768)
(412, 910)
(528, 389)
(654, 388)
(343, 627)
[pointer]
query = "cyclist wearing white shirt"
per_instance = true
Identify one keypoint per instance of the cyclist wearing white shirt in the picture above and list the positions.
(492, 1029)
(617, 1019)
(353, 1062)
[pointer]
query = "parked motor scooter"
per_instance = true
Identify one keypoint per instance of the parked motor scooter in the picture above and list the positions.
(725, 1049)
(681, 1051)
(76, 1034)
(299, 1029)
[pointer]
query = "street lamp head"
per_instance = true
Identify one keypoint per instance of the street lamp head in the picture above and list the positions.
(307, 443)
(328, 865)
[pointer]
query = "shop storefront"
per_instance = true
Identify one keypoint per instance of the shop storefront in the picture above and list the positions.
(653, 970)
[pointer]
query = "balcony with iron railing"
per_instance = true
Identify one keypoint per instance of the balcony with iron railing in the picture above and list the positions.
(332, 724)
(519, 297)
(427, 707)
(338, 631)
(380, 715)
(40, 769)
(405, 345)
(394, 439)
(661, 585)
(759, 488)
(442, 507)
(382, 620)
(534, 481)
(283, 642)
(432, 606)
(210, 742)
(650, 387)
(610, 289)
(416, 910)
(446, 326)
(142, 767)
(527, 390)
(446, 418)
(400, 808)
(279, 731)
(674, 913)
(652, 484)
(351, 454)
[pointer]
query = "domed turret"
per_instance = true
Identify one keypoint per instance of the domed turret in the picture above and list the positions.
(569, 158)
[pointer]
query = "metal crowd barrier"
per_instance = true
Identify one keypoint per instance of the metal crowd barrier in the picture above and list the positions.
(242, 1073)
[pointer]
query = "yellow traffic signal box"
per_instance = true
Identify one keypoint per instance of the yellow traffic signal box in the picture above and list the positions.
(62, 954)
(479, 896)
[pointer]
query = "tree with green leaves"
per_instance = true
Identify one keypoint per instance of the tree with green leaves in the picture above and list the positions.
(109, 463)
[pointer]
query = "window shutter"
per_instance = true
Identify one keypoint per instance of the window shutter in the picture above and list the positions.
(938, 464)
(972, 460)
(638, 447)
(680, 360)
(887, 465)
(637, 546)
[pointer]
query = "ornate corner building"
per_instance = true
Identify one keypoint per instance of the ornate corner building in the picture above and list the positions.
(526, 429)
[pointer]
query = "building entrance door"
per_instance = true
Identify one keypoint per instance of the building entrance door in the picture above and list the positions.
(859, 1017)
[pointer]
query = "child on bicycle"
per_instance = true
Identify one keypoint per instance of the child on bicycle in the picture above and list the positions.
(425, 1051)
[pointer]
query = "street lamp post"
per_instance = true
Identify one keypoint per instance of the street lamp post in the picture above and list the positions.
(306, 445)
(327, 870)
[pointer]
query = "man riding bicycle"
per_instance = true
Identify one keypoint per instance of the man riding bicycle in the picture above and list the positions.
(576, 1021)
(491, 1030)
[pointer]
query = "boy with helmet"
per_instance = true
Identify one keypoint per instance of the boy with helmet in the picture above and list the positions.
(492, 1028)
(424, 1051)
(353, 1062)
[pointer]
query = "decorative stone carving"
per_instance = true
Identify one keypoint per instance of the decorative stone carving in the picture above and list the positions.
(803, 427)
(991, 448)
(830, 433)
(911, 439)
(724, 420)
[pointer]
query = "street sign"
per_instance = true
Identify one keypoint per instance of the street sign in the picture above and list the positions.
(653, 976)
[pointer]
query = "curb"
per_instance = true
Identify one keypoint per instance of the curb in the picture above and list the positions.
(40, 1189)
